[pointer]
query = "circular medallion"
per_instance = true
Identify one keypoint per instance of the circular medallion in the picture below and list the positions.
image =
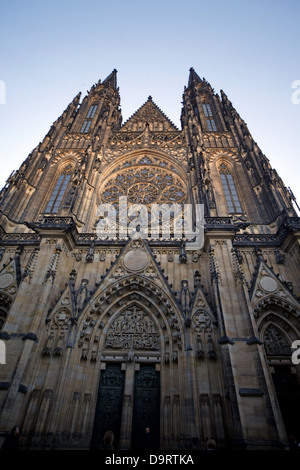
(135, 260)
(6, 280)
(268, 284)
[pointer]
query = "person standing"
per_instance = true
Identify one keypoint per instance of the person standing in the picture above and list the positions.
(108, 441)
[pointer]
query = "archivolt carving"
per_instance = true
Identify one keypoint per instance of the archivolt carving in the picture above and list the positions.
(131, 314)
(278, 328)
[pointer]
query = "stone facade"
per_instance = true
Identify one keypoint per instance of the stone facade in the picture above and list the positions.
(128, 331)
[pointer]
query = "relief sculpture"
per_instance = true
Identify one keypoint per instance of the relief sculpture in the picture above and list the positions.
(132, 329)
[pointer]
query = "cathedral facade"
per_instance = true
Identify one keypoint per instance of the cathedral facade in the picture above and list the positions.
(115, 330)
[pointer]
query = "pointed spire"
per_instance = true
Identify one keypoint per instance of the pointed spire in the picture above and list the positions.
(111, 80)
(194, 77)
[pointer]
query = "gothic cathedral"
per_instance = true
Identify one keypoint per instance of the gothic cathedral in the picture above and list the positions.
(109, 330)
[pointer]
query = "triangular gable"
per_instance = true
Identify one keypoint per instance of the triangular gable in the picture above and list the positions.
(266, 284)
(71, 300)
(201, 305)
(136, 258)
(148, 113)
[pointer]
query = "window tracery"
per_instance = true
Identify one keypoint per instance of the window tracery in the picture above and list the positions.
(275, 342)
(231, 195)
(145, 186)
(59, 191)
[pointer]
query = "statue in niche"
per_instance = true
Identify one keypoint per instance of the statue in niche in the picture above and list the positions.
(81, 295)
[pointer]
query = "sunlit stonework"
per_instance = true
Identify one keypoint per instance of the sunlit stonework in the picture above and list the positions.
(123, 331)
(144, 185)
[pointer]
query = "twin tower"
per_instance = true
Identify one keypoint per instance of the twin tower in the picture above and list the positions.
(126, 332)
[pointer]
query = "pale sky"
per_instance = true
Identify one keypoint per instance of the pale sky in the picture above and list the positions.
(51, 50)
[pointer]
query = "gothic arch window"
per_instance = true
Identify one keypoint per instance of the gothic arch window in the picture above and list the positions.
(88, 119)
(59, 190)
(231, 195)
(211, 125)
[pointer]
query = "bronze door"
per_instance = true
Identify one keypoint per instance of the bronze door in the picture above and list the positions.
(288, 394)
(146, 408)
(109, 405)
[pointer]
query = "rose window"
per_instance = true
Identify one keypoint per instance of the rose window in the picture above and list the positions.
(142, 193)
(145, 185)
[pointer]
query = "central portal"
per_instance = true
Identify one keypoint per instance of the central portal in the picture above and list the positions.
(113, 410)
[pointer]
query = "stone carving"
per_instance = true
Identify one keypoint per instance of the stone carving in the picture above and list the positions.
(6, 280)
(132, 329)
(201, 321)
(275, 342)
(135, 260)
(81, 295)
(90, 254)
(268, 284)
(144, 185)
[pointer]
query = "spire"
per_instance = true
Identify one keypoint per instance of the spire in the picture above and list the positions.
(111, 80)
(194, 77)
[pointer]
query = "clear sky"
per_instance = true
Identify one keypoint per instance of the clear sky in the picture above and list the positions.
(51, 50)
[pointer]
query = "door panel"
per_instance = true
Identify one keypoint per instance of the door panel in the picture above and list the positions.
(109, 405)
(288, 395)
(146, 408)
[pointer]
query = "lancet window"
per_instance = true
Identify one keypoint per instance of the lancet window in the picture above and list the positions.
(88, 120)
(59, 191)
(211, 125)
(231, 195)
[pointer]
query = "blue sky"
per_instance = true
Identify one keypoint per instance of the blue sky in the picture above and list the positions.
(51, 50)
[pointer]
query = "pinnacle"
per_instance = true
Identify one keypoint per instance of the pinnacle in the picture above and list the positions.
(111, 79)
(194, 77)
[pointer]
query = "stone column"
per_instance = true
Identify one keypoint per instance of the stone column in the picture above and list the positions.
(167, 422)
(127, 410)
(9, 413)
(8, 417)
(205, 416)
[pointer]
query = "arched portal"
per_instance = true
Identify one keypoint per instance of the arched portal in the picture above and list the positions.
(277, 328)
(141, 334)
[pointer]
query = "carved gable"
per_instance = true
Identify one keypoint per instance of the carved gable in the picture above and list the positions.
(136, 258)
(149, 114)
(271, 289)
